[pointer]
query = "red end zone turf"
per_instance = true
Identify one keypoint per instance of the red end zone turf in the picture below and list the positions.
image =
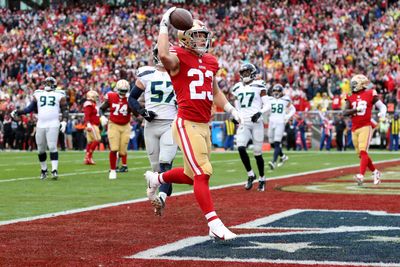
(104, 237)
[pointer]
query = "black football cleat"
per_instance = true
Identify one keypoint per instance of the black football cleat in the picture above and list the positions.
(123, 169)
(43, 174)
(261, 186)
(249, 183)
(54, 174)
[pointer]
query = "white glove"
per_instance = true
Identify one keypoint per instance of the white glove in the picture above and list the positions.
(165, 20)
(63, 126)
(382, 115)
(103, 120)
(14, 114)
(236, 115)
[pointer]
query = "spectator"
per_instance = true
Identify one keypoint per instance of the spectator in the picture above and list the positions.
(340, 127)
(394, 132)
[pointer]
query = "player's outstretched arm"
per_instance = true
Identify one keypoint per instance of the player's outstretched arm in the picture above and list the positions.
(135, 93)
(220, 101)
(28, 109)
(169, 60)
(64, 114)
(348, 111)
(382, 107)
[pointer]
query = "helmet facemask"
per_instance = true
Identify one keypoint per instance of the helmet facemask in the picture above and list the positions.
(122, 87)
(277, 91)
(50, 84)
(248, 73)
(198, 38)
(359, 82)
(156, 59)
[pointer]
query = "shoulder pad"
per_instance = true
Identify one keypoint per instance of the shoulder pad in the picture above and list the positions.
(38, 91)
(286, 98)
(87, 103)
(259, 83)
(236, 86)
(143, 71)
(60, 92)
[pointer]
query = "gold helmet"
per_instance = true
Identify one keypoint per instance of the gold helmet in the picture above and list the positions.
(122, 87)
(92, 95)
(197, 38)
(359, 82)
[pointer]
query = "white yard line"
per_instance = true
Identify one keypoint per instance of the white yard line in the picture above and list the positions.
(108, 205)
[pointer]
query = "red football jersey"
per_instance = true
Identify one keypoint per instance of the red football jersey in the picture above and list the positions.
(120, 113)
(359, 99)
(91, 113)
(193, 85)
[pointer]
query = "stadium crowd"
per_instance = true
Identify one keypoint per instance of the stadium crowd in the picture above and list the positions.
(311, 47)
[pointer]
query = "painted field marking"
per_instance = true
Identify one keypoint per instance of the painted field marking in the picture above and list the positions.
(156, 253)
(114, 204)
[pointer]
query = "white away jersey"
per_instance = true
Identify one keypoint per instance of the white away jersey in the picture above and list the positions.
(278, 108)
(248, 96)
(159, 94)
(48, 105)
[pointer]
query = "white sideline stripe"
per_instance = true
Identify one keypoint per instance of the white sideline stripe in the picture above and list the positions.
(90, 172)
(108, 205)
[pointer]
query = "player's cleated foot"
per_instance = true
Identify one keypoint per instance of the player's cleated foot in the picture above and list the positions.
(159, 205)
(54, 174)
(282, 161)
(249, 183)
(89, 161)
(123, 169)
(272, 165)
(152, 184)
(220, 232)
(43, 174)
(112, 175)
(261, 186)
(377, 176)
(359, 179)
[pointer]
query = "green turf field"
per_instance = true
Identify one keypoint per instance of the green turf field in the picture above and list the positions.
(23, 194)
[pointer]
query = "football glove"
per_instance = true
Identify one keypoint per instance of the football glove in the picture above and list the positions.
(256, 116)
(63, 126)
(103, 121)
(165, 20)
(14, 114)
(148, 115)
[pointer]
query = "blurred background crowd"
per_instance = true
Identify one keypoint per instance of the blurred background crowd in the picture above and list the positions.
(311, 47)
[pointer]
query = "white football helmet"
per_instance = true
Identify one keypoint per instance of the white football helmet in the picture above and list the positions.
(197, 38)
(359, 82)
(122, 87)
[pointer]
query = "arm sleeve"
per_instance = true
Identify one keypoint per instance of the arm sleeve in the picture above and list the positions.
(292, 111)
(382, 108)
(30, 108)
(133, 97)
(266, 105)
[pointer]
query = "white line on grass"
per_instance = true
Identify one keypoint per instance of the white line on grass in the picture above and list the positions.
(108, 205)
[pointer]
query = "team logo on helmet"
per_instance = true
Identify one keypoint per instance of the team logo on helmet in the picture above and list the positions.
(122, 87)
(359, 82)
(50, 84)
(197, 38)
(247, 72)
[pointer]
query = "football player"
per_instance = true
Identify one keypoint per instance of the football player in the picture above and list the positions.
(119, 128)
(280, 112)
(252, 102)
(192, 71)
(159, 112)
(49, 103)
(92, 121)
(359, 105)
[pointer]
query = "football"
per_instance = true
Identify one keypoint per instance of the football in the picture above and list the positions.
(181, 19)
